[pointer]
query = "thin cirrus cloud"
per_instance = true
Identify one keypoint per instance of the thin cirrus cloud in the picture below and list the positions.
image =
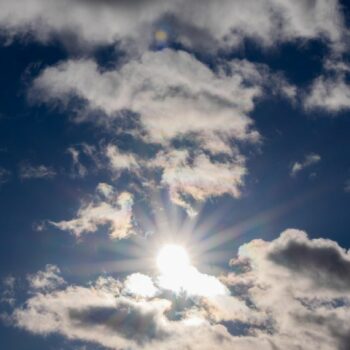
(288, 293)
(308, 161)
(28, 171)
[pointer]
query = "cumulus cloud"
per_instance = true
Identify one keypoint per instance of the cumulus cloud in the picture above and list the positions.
(309, 160)
(290, 293)
(192, 23)
(173, 93)
(300, 284)
(176, 97)
(28, 171)
(108, 208)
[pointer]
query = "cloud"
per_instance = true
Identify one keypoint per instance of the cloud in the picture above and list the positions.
(119, 161)
(7, 294)
(290, 293)
(85, 159)
(331, 94)
(191, 23)
(300, 284)
(108, 208)
(176, 98)
(198, 177)
(309, 160)
(173, 93)
(46, 280)
(28, 171)
(140, 285)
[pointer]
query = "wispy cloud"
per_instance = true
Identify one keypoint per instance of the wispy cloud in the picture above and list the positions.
(309, 160)
(28, 171)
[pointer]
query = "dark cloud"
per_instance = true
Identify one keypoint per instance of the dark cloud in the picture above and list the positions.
(324, 262)
(131, 322)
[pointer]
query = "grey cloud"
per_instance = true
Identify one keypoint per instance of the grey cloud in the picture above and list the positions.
(175, 96)
(327, 264)
(126, 318)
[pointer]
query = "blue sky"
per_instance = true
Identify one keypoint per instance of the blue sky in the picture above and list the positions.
(129, 127)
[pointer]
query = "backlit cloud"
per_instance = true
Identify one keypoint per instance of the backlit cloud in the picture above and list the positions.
(288, 293)
(109, 208)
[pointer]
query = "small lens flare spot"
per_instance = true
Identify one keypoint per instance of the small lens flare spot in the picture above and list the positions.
(161, 36)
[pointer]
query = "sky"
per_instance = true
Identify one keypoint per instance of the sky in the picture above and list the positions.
(174, 174)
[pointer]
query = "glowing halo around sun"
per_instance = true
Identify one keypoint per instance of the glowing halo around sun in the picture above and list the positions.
(172, 260)
(178, 275)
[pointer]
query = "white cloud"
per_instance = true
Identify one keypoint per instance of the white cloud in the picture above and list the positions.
(140, 285)
(174, 94)
(46, 280)
(198, 177)
(290, 293)
(309, 160)
(112, 209)
(28, 171)
(192, 22)
(331, 94)
(119, 161)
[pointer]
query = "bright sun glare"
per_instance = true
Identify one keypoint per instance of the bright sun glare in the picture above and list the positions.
(178, 274)
(173, 260)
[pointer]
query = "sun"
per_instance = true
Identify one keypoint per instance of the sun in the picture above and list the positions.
(173, 260)
(177, 274)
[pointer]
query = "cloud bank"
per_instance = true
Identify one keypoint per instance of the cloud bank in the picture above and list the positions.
(289, 293)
